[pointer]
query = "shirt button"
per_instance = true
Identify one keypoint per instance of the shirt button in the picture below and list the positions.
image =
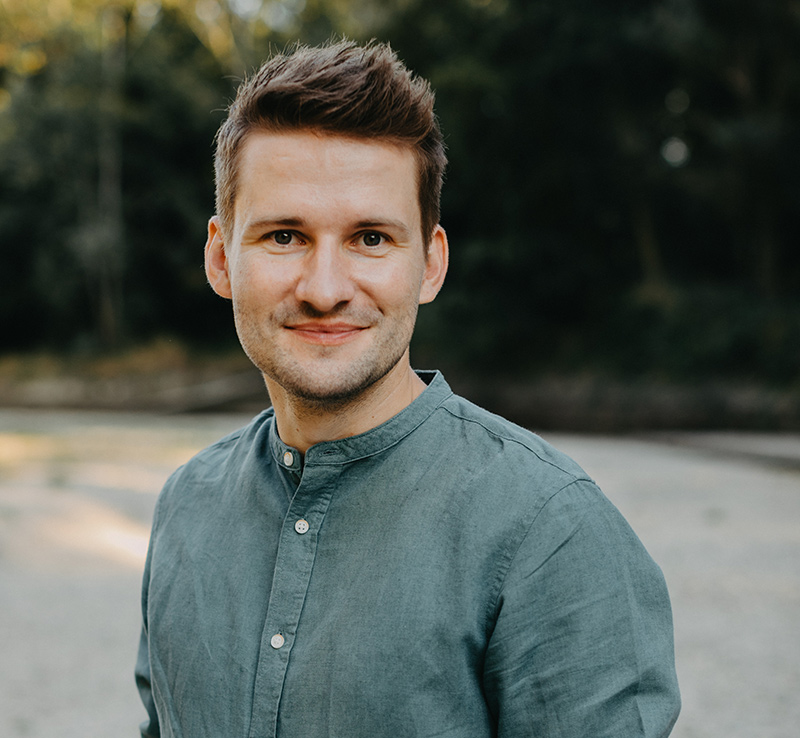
(288, 458)
(276, 641)
(301, 526)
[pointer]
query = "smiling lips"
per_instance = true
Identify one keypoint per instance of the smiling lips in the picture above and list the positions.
(326, 334)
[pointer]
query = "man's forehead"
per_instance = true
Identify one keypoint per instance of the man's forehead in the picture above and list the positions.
(310, 170)
(319, 145)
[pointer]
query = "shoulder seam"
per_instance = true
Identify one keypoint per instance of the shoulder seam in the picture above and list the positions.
(502, 579)
(524, 445)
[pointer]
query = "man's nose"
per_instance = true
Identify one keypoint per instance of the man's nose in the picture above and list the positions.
(325, 280)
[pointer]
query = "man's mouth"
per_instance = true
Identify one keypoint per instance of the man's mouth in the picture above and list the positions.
(327, 334)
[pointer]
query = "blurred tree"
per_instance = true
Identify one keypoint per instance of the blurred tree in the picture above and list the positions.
(608, 162)
(550, 110)
(105, 175)
(622, 193)
(747, 78)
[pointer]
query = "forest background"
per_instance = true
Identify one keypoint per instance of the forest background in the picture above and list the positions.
(622, 199)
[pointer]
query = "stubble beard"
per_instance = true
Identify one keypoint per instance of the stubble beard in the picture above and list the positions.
(317, 388)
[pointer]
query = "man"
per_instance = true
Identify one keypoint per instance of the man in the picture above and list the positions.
(375, 557)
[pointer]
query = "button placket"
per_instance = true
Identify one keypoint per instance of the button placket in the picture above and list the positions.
(292, 573)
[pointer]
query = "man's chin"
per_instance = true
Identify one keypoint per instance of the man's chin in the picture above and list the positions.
(329, 390)
(324, 391)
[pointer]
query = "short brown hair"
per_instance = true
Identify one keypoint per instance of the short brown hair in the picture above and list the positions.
(340, 88)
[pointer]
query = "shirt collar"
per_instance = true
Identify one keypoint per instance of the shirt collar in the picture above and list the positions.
(372, 441)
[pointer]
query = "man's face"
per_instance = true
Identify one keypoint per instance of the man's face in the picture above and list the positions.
(326, 265)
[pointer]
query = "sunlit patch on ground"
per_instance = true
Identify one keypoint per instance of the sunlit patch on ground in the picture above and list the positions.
(98, 532)
(77, 489)
(77, 492)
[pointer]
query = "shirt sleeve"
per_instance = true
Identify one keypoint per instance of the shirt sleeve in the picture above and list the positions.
(582, 643)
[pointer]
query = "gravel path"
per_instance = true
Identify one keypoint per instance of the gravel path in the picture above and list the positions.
(719, 512)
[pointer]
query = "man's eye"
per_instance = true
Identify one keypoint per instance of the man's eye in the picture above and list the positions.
(282, 238)
(372, 239)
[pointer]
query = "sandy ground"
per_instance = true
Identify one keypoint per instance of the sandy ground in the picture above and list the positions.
(719, 512)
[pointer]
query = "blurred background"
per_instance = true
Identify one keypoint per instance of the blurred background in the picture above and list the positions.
(622, 200)
(622, 203)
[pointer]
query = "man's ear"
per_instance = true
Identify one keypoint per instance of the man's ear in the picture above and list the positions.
(217, 265)
(435, 266)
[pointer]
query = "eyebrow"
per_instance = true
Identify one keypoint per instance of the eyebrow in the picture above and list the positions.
(292, 222)
(264, 223)
(396, 225)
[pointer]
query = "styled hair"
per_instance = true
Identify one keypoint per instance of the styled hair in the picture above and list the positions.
(340, 88)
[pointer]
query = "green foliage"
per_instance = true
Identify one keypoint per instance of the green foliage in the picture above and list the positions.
(51, 198)
(602, 150)
(45, 165)
(622, 194)
(168, 175)
(702, 331)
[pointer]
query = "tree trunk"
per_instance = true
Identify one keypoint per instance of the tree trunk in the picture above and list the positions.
(766, 249)
(647, 246)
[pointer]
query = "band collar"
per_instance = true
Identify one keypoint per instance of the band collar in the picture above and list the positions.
(372, 441)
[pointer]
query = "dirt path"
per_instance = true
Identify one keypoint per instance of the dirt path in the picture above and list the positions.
(721, 514)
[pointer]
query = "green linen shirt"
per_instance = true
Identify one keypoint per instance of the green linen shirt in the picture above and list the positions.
(445, 574)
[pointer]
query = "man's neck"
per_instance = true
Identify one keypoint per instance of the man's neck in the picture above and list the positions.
(302, 424)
